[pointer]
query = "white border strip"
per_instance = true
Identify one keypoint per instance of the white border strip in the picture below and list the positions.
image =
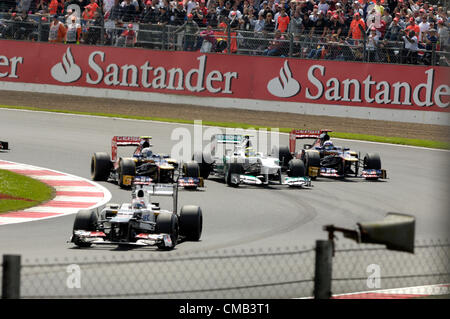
(64, 210)
(360, 112)
(188, 124)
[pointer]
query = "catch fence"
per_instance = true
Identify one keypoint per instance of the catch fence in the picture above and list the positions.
(237, 274)
(233, 41)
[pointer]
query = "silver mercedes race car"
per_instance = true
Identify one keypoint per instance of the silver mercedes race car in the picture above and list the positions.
(141, 222)
(240, 164)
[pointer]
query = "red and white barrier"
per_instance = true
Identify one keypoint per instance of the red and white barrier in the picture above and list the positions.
(72, 194)
(404, 93)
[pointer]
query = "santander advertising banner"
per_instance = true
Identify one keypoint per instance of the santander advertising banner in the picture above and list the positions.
(423, 88)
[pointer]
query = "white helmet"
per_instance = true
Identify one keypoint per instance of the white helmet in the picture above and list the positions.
(328, 145)
(147, 152)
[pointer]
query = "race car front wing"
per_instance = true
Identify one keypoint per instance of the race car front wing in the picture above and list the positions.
(99, 238)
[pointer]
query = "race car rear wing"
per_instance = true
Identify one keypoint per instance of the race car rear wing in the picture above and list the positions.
(137, 141)
(304, 134)
(147, 190)
(228, 138)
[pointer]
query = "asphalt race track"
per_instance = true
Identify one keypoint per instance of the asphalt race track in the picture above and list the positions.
(243, 218)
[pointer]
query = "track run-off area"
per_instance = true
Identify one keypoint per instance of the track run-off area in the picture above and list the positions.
(234, 218)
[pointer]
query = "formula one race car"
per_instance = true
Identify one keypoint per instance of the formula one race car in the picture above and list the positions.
(144, 165)
(4, 146)
(322, 158)
(139, 223)
(241, 164)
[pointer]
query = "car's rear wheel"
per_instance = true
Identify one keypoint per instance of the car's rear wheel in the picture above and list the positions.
(191, 169)
(191, 222)
(100, 166)
(296, 168)
(167, 224)
(312, 159)
(203, 162)
(127, 167)
(284, 155)
(84, 220)
(233, 168)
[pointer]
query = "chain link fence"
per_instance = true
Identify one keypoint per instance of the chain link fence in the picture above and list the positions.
(237, 274)
(232, 41)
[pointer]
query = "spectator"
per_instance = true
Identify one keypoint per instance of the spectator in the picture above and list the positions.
(57, 31)
(335, 26)
(393, 32)
(149, 14)
(259, 24)
(269, 24)
(55, 7)
(212, 18)
(372, 45)
(296, 23)
(307, 25)
(94, 29)
(320, 26)
(129, 11)
(209, 40)
(276, 46)
(283, 21)
(443, 35)
(89, 10)
(357, 28)
(73, 34)
(190, 29)
(387, 18)
(430, 39)
(411, 47)
(164, 16)
(424, 26)
(323, 7)
(127, 37)
(116, 12)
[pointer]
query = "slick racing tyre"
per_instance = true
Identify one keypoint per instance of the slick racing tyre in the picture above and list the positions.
(233, 168)
(191, 222)
(127, 167)
(100, 166)
(284, 155)
(167, 223)
(191, 169)
(84, 220)
(204, 163)
(372, 161)
(312, 159)
(296, 168)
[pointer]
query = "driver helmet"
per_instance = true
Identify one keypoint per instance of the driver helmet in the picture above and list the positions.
(137, 204)
(328, 145)
(147, 152)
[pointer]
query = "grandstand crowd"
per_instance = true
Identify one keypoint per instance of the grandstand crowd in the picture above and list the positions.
(330, 29)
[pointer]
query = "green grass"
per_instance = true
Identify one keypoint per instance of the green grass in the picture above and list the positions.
(350, 136)
(20, 186)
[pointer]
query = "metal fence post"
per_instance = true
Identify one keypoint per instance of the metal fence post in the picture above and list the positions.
(39, 30)
(11, 277)
(323, 269)
(229, 39)
(433, 54)
(291, 44)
